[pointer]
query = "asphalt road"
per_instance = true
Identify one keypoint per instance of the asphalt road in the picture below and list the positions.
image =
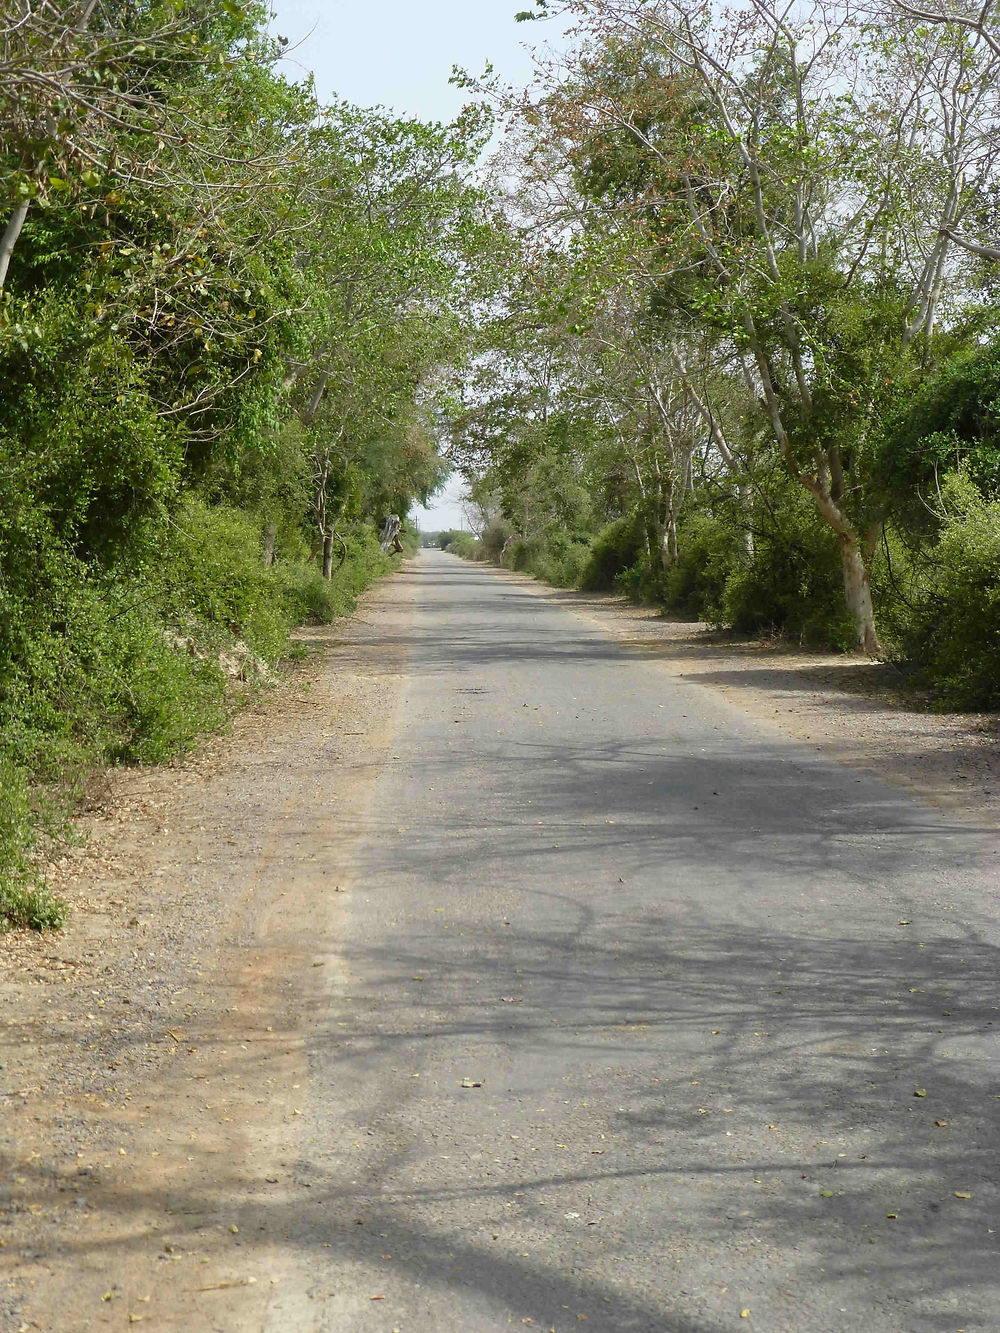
(650, 1019)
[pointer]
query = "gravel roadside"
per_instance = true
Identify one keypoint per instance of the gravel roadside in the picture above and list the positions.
(152, 1053)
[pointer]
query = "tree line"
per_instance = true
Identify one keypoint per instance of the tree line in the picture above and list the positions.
(748, 362)
(230, 322)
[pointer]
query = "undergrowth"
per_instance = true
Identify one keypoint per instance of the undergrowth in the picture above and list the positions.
(132, 666)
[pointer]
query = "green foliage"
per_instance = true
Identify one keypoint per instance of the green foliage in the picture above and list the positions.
(951, 423)
(779, 573)
(309, 598)
(953, 627)
(463, 544)
(616, 548)
(494, 540)
(26, 908)
(214, 579)
(23, 904)
(710, 549)
(559, 561)
(225, 330)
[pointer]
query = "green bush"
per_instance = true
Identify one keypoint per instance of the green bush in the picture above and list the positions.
(124, 665)
(465, 545)
(309, 598)
(783, 575)
(561, 564)
(953, 630)
(23, 903)
(709, 550)
(615, 549)
(493, 542)
(215, 582)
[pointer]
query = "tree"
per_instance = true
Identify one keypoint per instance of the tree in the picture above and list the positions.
(772, 163)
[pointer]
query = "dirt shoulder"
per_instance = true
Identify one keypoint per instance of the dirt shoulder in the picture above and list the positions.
(845, 706)
(152, 1055)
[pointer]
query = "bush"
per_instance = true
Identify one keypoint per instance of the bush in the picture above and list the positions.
(492, 544)
(463, 544)
(615, 549)
(23, 903)
(215, 582)
(709, 550)
(309, 598)
(124, 665)
(563, 564)
(953, 632)
(785, 577)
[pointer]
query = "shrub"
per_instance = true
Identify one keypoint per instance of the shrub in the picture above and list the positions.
(23, 903)
(492, 544)
(708, 551)
(953, 631)
(785, 575)
(123, 665)
(615, 549)
(309, 598)
(215, 583)
(465, 545)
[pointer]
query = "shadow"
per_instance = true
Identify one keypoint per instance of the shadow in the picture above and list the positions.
(642, 1022)
(674, 1118)
(865, 685)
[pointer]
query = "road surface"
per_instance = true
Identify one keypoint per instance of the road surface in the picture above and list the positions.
(647, 1017)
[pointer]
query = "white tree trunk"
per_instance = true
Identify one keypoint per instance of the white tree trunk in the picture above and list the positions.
(857, 590)
(10, 236)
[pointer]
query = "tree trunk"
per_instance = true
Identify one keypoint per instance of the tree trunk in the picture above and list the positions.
(270, 537)
(328, 555)
(653, 538)
(10, 236)
(668, 545)
(859, 595)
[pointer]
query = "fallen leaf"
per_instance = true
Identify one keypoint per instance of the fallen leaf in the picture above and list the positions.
(920, 1092)
(892, 1216)
(962, 1194)
(940, 1123)
(826, 1194)
(745, 1314)
(376, 1298)
(470, 1083)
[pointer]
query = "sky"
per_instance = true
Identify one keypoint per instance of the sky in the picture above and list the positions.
(400, 53)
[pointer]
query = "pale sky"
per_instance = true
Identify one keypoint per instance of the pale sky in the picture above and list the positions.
(399, 53)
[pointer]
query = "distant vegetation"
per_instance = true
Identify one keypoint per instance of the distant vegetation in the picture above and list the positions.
(748, 365)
